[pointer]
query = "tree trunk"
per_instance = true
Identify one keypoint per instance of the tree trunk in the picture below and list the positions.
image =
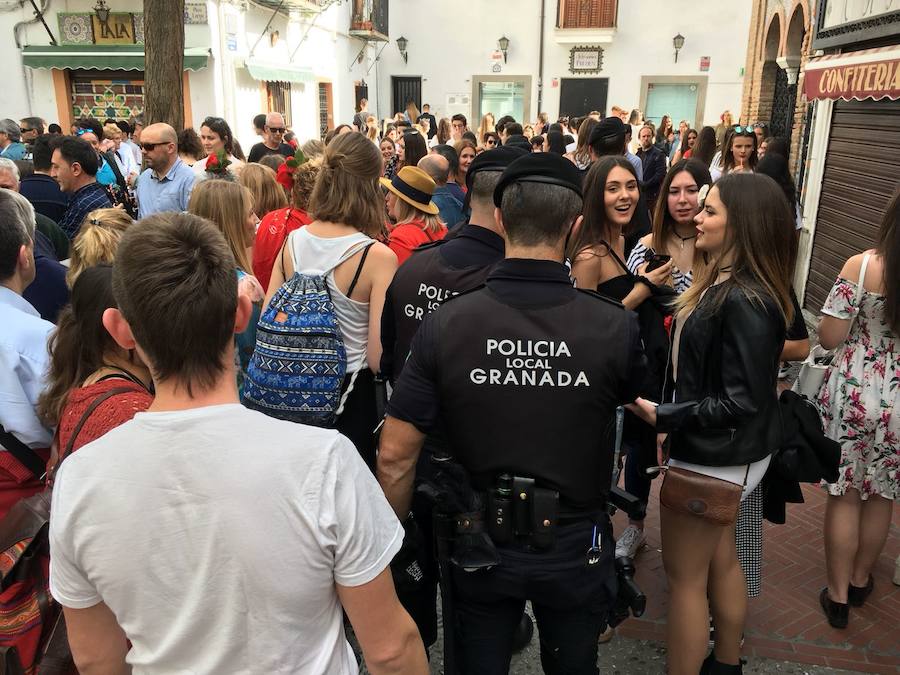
(164, 62)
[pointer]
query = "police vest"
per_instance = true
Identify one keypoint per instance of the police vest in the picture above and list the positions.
(421, 284)
(533, 391)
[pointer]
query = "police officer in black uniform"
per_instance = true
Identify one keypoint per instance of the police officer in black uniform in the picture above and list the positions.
(442, 269)
(432, 274)
(523, 376)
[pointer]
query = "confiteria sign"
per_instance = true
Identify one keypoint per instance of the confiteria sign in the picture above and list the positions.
(872, 73)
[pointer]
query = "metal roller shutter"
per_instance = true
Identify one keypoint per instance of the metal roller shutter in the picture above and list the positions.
(862, 169)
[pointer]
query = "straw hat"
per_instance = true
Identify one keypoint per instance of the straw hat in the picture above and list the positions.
(413, 186)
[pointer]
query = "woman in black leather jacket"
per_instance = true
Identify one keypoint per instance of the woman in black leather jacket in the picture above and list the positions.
(723, 420)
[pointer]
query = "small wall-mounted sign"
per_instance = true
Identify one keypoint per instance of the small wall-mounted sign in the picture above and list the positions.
(704, 64)
(118, 30)
(585, 59)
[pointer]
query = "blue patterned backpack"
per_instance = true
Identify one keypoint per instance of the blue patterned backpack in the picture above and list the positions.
(298, 368)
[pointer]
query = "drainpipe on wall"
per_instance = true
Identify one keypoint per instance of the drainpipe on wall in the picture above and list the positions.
(540, 82)
(38, 16)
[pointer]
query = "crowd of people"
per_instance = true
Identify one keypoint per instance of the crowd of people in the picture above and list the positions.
(256, 381)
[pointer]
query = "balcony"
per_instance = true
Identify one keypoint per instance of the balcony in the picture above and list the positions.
(369, 20)
(591, 21)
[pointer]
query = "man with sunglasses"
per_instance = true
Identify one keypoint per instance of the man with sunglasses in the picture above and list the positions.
(166, 183)
(273, 140)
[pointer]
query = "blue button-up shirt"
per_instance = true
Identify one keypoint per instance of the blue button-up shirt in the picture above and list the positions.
(169, 193)
(24, 359)
(636, 163)
(82, 202)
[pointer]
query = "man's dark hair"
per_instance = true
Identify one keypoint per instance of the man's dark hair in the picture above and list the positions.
(459, 117)
(402, 126)
(514, 129)
(54, 129)
(482, 187)
(126, 128)
(42, 152)
(92, 125)
(259, 122)
(538, 213)
(537, 141)
(174, 283)
(78, 150)
(470, 136)
(503, 122)
(13, 234)
(449, 152)
(35, 123)
(426, 105)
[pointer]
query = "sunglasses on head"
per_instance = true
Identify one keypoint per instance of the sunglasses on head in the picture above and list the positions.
(742, 130)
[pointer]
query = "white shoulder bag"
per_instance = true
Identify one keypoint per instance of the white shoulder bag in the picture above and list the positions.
(812, 370)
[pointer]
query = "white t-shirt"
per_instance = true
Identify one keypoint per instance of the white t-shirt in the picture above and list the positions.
(216, 536)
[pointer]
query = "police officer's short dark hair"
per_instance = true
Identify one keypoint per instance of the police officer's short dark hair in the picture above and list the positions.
(42, 152)
(538, 213)
(78, 150)
(482, 188)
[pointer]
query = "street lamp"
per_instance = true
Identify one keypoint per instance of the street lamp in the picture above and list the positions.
(102, 11)
(402, 42)
(678, 43)
(503, 43)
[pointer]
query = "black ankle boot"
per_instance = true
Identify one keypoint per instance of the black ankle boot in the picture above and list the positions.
(838, 613)
(857, 595)
(712, 667)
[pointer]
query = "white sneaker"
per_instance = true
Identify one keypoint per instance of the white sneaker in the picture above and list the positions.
(630, 542)
(784, 371)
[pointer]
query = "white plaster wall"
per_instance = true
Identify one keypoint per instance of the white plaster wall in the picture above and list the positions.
(446, 48)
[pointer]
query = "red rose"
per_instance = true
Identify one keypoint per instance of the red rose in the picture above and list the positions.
(212, 161)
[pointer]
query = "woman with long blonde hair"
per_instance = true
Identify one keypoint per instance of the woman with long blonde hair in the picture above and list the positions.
(416, 221)
(487, 125)
(96, 241)
(229, 206)
(268, 195)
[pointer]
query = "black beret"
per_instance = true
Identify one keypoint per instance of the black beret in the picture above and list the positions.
(607, 130)
(540, 167)
(493, 160)
(518, 141)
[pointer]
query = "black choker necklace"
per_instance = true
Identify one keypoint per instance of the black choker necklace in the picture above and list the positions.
(684, 239)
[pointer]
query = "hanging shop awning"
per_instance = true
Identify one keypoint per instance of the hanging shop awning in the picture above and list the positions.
(102, 57)
(870, 73)
(267, 71)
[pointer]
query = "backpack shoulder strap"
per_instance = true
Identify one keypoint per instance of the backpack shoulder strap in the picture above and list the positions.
(362, 262)
(23, 454)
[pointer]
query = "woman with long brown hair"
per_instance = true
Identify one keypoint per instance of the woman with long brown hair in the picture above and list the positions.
(229, 206)
(348, 211)
(487, 125)
(268, 195)
(721, 409)
(87, 364)
(860, 404)
(739, 155)
(466, 151)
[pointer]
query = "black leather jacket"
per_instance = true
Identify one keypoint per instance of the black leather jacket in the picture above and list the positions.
(726, 403)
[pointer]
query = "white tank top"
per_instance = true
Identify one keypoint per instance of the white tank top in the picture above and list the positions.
(315, 255)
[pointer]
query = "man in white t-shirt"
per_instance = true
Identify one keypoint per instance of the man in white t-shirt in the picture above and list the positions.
(213, 538)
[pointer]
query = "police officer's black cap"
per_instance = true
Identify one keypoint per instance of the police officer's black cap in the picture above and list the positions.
(493, 160)
(607, 131)
(540, 167)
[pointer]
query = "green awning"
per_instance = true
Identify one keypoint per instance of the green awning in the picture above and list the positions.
(278, 72)
(102, 57)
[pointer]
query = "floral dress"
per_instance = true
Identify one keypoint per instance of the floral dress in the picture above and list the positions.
(860, 392)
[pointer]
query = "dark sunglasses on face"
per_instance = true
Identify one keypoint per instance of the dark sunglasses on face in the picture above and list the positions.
(491, 141)
(148, 147)
(23, 130)
(276, 130)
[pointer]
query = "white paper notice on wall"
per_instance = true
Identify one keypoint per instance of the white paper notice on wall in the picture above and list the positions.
(458, 103)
